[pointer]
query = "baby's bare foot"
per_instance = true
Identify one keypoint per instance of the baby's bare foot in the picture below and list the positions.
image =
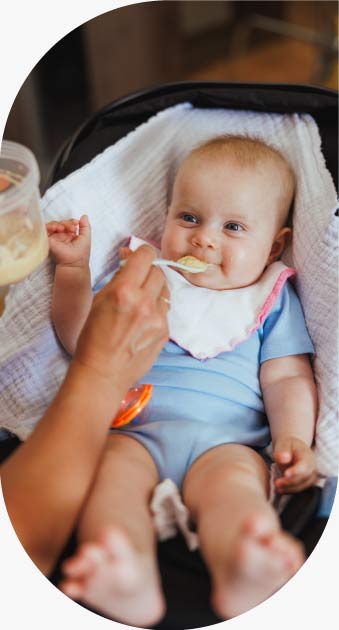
(111, 577)
(263, 559)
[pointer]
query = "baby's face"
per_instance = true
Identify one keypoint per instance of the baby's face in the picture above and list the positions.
(226, 215)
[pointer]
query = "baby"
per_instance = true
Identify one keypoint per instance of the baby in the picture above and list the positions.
(221, 377)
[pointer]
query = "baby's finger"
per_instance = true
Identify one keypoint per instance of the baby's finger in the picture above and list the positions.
(54, 226)
(302, 468)
(283, 456)
(284, 486)
(296, 474)
(70, 225)
(283, 453)
(84, 226)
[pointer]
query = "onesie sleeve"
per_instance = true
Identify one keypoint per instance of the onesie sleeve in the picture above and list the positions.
(284, 331)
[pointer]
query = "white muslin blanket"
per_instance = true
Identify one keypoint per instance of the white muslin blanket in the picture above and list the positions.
(124, 191)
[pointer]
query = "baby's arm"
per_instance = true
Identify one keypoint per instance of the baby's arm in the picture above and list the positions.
(72, 294)
(290, 399)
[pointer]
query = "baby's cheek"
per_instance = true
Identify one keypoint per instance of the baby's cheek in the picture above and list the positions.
(169, 244)
(248, 262)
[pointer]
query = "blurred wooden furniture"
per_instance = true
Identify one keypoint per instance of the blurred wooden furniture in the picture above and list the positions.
(135, 45)
(299, 45)
(312, 23)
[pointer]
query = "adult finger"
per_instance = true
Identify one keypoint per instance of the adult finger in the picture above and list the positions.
(154, 283)
(164, 300)
(138, 266)
(125, 252)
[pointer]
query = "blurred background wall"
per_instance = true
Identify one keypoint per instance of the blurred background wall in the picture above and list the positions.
(143, 45)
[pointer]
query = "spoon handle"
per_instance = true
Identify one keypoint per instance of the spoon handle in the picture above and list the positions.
(162, 262)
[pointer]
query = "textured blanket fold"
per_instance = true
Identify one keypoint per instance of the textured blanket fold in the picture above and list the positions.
(125, 190)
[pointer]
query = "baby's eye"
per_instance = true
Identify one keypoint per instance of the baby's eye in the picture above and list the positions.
(189, 218)
(234, 227)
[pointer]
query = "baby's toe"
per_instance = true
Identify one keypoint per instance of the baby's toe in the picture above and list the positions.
(84, 562)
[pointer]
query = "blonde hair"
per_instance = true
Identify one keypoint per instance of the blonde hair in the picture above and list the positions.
(253, 152)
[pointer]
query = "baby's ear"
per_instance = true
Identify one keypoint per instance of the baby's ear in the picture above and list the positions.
(280, 243)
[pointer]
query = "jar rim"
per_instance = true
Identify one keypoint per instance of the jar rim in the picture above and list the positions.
(15, 151)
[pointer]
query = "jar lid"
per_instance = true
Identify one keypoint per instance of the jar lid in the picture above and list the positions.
(132, 405)
(19, 173)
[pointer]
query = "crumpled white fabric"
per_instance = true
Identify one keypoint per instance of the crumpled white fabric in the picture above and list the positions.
(206, 322)
(124, 191)
(170, 514)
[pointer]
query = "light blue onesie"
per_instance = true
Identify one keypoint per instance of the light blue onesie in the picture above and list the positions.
(199, 404)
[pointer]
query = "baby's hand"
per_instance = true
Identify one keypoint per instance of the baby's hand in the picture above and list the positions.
(297, 461)
(70, 241)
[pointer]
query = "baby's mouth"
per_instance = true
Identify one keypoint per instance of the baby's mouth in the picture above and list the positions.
(194, 263)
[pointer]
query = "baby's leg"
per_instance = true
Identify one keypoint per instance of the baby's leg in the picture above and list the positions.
(248, 555)
(114, 569)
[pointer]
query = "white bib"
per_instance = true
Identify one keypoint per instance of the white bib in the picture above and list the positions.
(206, 322)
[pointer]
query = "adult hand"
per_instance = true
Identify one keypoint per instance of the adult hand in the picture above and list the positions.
(127, 325)
(122, 336)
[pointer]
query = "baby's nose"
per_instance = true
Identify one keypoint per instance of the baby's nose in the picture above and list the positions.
(205, 237)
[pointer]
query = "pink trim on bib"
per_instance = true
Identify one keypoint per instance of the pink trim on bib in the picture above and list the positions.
(268, 304)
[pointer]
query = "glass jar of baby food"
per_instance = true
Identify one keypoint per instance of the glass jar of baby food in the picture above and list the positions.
(23, 236)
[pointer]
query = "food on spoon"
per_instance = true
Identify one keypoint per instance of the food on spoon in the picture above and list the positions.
(193, 262)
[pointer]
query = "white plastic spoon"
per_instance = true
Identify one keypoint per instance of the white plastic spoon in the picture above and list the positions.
(162, 262)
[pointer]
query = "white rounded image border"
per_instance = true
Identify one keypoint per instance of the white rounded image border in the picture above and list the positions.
(29, 600)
